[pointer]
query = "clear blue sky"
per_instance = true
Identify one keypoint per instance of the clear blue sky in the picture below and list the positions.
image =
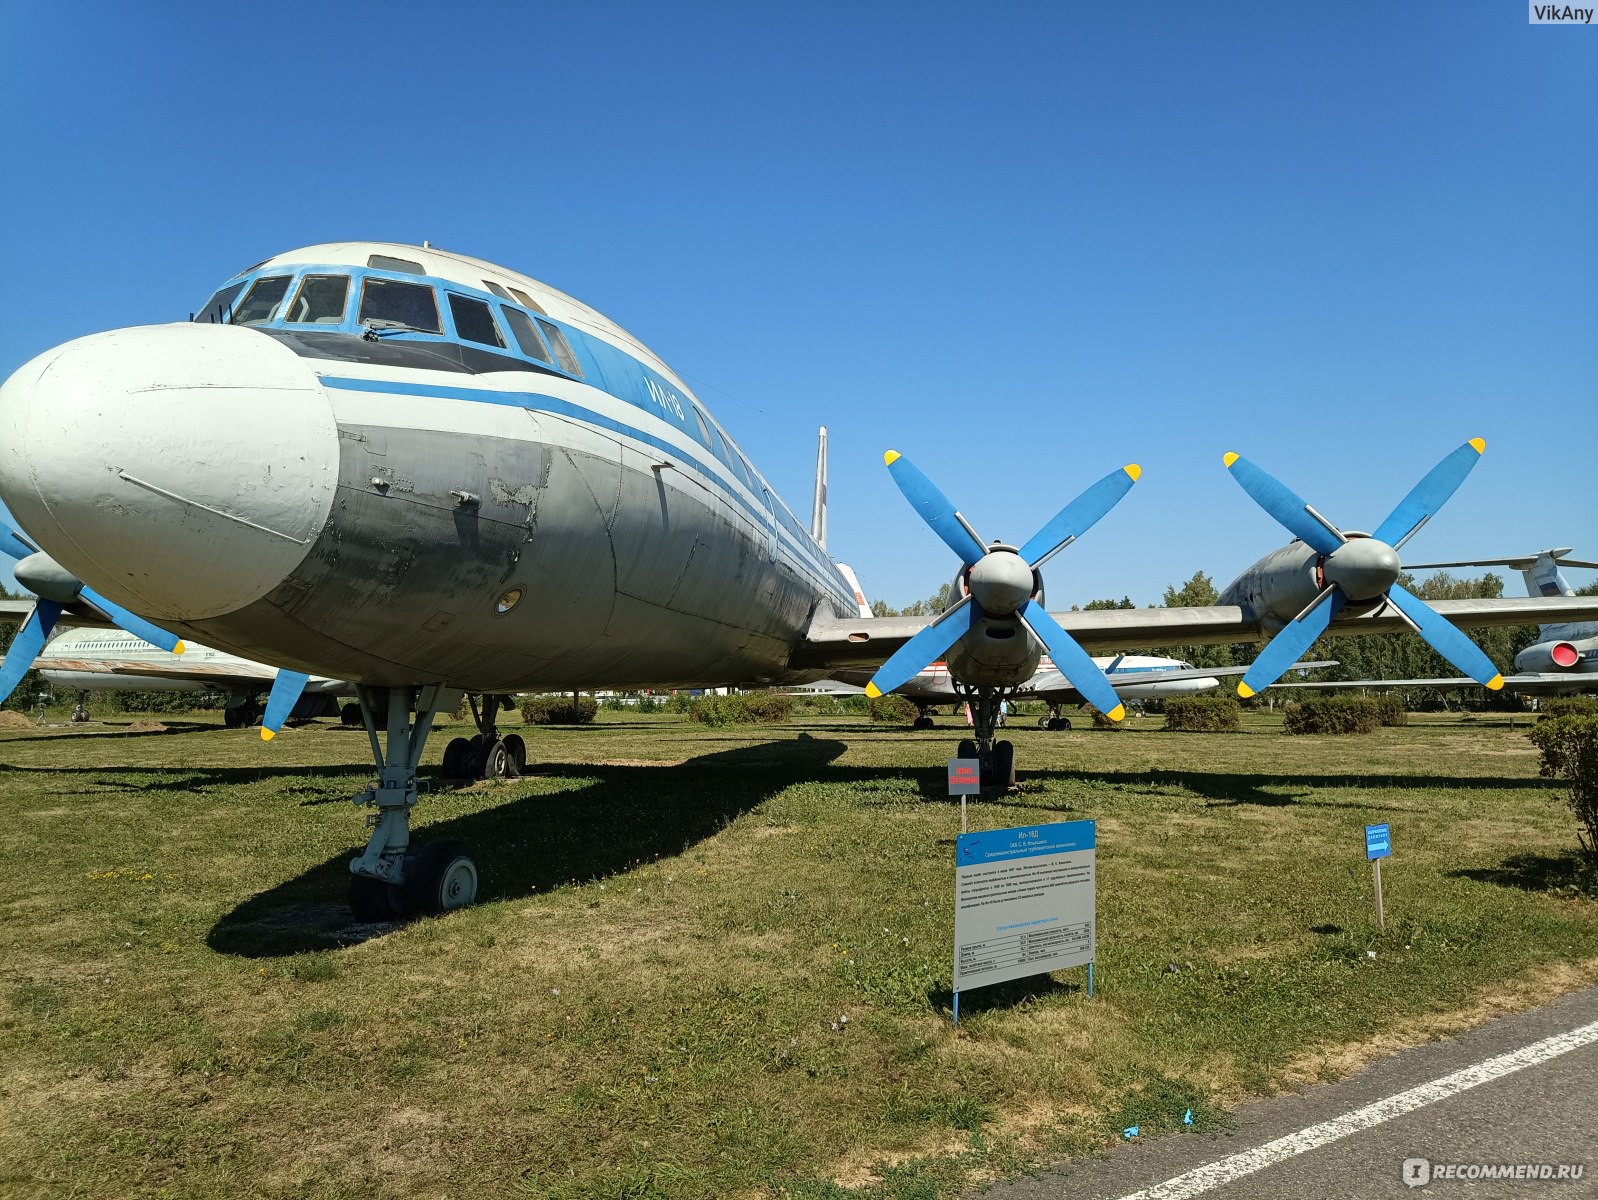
(1022, 243)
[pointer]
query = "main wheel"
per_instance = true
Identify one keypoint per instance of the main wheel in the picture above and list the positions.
(455, 765)
(350, 715)
(497, 762)
(518, 751)
(1045, 722)
(441, 877)
(1060, 724)
(372, 899)
(966, 749)
(922, 722)
(1004, 765)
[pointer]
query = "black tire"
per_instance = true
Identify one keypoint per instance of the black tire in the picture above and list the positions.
(966, 749)
(1060, 724)
(922, 722)
(441, 877)
(456, 752)
(518, 751)
(1004, 765)
(1045, 722)
(497, 762)
(350, 716)
(371, 899)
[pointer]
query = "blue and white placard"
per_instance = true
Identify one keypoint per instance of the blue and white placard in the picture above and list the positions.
(1378, 841)
(1024, 902)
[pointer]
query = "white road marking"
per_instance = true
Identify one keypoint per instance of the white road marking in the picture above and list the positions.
(1225, 1170)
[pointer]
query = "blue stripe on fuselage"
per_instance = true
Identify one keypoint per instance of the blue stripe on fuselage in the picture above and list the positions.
(565, 408)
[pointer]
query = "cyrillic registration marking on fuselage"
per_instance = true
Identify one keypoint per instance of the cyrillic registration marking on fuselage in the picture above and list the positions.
(1023, 902)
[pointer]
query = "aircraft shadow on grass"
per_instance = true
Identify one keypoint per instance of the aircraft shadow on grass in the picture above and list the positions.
(631, 814)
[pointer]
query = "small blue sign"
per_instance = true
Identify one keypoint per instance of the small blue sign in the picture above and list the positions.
(1378, 842)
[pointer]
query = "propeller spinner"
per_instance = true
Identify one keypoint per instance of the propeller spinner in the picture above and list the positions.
(1357, 569)
(1001, 582)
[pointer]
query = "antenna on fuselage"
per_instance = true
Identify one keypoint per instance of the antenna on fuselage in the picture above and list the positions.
(818, 510)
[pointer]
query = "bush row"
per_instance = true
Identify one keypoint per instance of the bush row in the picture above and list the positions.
(559, 710)
(752, 708)
(1203, 714)
(1333, 714)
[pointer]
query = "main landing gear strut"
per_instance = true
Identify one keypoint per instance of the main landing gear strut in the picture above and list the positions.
(391, 878)
(997, 758)
(487, 755)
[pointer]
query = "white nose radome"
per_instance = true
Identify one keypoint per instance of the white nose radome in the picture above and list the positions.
(183, 471)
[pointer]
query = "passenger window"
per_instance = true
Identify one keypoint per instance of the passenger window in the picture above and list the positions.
(563, 350)
(391, 304)
(320, 300)
(219, 307)
(528, 301)
(521, 325)
(384, 263)
(704, 430)
(496, 289)
(261, 301)
(474, 321)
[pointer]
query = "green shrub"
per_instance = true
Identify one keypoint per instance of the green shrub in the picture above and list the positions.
(830, 706)
(1390, 709)
(1569, 746)
(680, 703)
(1100, 721)
(1569, 706)
(1333, 714)
(559, 710)
(892, 709)
(755, 708)
(1203, 714)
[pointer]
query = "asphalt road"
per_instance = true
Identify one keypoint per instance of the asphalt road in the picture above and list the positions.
(1518, 1090)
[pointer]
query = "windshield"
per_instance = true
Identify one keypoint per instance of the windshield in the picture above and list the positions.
(391, 304)
(219, 307)
(261, 301)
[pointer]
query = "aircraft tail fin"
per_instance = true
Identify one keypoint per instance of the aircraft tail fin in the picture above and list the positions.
(1543, 578)
(818, 510)
(854, 585)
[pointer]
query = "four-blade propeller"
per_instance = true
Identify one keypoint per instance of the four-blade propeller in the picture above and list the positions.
(1356, 569)
(1000, 582)
(56, 589)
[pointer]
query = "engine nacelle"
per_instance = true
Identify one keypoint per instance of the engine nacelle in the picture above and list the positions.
(1549, 657)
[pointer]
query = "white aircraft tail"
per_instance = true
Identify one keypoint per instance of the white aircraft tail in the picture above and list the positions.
(818, 510)
(1543, 578)
(854, 583)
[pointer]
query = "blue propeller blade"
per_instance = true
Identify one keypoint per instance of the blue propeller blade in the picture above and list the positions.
(1077, 664)
(286, 689)
(135, 625)
(1283, 650)
(26, 645)
(935, 509)
(1286, 505)
(1430, 493)
(12, 545)
(924, 649)
(1445, 638)
(1077, 517)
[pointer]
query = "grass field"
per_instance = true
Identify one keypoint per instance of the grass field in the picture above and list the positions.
(675, 922)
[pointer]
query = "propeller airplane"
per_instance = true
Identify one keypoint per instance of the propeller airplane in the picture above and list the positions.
(430, 475)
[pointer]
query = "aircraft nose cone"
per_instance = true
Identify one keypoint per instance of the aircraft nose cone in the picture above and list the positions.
(181, 470)
(1363, 568)
(1001, 582)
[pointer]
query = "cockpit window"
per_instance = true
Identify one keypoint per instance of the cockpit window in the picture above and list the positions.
(563, 351)
(320, 300)
(384, 263)
(474, 321)
(496, 289)
(526, 336)
(391, 304)
(527, 301)
(219, 308)
(261, 301)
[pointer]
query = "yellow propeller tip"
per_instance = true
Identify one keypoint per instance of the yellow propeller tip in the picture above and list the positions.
(1116, 713)
(179, 648)
(891, 457)
(1134, 471)
(873, 691)
(267, 734)
(1479, 444)
(1496, 682)
(1244, 690)
(1230, 457)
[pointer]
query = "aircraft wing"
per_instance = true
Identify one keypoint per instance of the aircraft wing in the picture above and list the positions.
(1054, 687)
(1532, 682)
(835, 644)
(79, 614)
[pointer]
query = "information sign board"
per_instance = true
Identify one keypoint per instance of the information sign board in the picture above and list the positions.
(1024, 902)
(965, 776)
(1378, 842)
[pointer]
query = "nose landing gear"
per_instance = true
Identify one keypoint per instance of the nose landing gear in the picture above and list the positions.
(997, 759)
